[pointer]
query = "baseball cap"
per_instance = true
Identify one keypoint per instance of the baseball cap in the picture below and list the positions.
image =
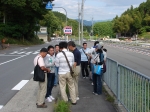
(101, 43)
(98, 46)
(43, 50)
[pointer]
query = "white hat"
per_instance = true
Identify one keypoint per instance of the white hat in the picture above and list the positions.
(98, 46)
(101, 43)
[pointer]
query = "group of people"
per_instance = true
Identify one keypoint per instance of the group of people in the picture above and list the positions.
(54, 61)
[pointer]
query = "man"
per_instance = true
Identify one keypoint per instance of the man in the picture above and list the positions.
(42, 85)
(77, 61)
(64, 73)
(56, 68)
(84, 60)
(49, 63)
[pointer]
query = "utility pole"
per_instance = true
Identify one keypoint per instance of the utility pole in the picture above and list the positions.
(92, 27)
(79, 13)
(82, 6)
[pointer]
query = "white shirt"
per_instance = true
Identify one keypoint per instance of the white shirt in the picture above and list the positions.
(93, 54)
(50, 62)
(40, 61)
(60, 61)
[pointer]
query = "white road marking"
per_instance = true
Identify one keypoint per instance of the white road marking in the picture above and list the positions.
(21, 49)
(20, 85)
(21, 52)
(11, 55)
(26, 48)
(29, 53)
(35, 52)
(14, 52)
(1, 106)
(13, 59)
(32, 72)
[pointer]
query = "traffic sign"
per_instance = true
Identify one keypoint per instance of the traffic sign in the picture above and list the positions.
(49, 6)
(68, 30)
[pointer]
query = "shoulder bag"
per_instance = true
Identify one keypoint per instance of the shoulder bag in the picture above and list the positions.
(72, 69)
(39, 74)
(97, 68)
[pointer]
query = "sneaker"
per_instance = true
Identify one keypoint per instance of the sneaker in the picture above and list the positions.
(87, 77)
(96, 94)
(77, 98)
(52, 97)
(48, 99)
(83, 77)
(92, 84)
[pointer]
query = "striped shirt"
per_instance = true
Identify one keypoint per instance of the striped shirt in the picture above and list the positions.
(60, 61)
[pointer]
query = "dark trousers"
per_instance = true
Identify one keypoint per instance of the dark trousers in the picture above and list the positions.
(50, 83)
(97, 80)
(84, 67)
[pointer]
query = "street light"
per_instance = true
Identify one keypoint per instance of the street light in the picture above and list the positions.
(50, 6)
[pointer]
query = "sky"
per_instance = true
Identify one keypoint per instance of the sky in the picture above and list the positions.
(96, 9)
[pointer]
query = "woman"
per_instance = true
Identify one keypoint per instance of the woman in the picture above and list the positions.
(97, 79)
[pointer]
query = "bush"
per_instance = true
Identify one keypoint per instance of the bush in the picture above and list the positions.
(62, 106)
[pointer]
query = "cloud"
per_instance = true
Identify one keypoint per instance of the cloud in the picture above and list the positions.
(99, 9)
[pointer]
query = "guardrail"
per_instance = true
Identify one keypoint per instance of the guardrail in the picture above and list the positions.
(134, 43)
(131, 88)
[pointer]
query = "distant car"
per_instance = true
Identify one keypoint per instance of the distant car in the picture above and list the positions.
(84, 40)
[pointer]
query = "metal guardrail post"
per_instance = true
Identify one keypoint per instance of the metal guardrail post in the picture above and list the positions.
(118, 85)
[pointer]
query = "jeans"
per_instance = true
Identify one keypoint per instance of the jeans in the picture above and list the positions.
(50, 83)
(56, 76)
(84, 67)
(97, 80)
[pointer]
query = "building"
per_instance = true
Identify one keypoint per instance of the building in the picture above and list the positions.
(42, 34)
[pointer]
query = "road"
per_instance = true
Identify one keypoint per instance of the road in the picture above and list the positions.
(16, 66)
(126, 55)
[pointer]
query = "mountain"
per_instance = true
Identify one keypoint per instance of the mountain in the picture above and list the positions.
(89, 23)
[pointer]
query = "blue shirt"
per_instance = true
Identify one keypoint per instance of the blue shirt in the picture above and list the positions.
(77, 56)
(83, 55)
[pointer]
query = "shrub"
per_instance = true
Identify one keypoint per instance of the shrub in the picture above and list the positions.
(62, 106)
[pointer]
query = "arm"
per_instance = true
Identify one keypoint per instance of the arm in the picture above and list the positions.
(42, 65)
(48, 64)
(57, 60)
(45, 69)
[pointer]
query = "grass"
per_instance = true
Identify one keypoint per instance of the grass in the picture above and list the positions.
(145, 35)
(108, 96)
(33, 41)
(62, 106)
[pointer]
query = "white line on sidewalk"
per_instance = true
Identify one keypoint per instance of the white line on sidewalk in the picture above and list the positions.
(12, 59)
(1, 106)
(32, 72)
(20, 85)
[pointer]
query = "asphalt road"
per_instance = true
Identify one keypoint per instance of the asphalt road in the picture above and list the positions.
(126, 55)
(16, 65)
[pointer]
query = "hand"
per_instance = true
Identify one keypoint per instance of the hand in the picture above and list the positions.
(94, 62)
(48, 70)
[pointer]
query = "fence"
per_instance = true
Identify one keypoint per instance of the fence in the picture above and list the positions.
(131, 88)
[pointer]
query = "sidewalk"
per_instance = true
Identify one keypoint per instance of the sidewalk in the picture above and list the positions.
(25, 100)
(88, 101)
